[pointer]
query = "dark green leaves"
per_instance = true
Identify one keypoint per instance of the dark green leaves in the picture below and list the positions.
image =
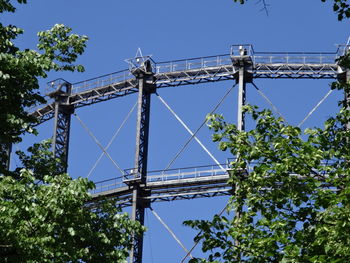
(19, 73)
(44, 217)
(291, 191)
(342, 8)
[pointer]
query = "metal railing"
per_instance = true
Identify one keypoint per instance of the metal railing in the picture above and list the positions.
(186, 173)
(107, 185)
(179, 174)
(193, 64)
(162, 176)
(205, 63)
(294, 58)
(101, 81)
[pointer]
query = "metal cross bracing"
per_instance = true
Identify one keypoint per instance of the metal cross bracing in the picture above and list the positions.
(138, 187)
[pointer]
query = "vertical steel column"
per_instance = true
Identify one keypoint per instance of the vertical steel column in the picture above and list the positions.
(241, 99)
(8, 153)
(141, 156)
(5, 150)
(142, 129)
(347, 95)
(63, 112)
(243, 62)
(240, 118)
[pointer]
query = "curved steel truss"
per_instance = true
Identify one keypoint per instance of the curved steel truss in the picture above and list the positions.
(138, 187)
(199, 70)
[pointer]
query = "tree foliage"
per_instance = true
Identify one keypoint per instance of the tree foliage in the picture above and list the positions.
(46, 216)
(292, 191)
(20, 70)
(340, 7)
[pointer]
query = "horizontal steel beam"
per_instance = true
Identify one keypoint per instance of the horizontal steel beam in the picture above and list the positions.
(190, 72)
(168, 190)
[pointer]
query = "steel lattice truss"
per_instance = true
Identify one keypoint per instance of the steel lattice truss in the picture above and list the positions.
(189, 72)
(200, 70)
(138, 187)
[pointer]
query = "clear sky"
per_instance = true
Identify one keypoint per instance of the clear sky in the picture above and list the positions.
(172, 30)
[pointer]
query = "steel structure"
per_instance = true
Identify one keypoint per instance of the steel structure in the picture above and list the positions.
(138, 187)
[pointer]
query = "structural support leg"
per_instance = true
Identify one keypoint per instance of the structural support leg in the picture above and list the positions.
(140, 170)
(60, 141)
(241, 99)
(243, 62)
(5, 150)
(347, 95)
(240, 126)
(63, 112)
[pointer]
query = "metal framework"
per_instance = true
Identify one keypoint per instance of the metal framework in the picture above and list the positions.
(62, 113)
(138, 187)
(6, 149)
(144, 75)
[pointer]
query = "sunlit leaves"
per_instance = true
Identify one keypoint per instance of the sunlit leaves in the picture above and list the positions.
(62, 47)
(21, 69)
(44, 217)
(291, 188)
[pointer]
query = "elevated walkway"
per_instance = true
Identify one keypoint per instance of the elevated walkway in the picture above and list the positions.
(295, 65)
(169, 185)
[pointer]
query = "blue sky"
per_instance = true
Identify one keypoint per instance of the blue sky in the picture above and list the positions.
(172, 30)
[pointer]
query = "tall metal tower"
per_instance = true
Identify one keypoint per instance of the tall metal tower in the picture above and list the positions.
(139, 187)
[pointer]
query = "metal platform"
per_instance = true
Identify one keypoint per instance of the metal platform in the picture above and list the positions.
(169, 185)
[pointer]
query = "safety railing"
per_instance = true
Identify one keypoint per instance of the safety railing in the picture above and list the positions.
(294, 58)
(193, 64)
(101, 81)
(107, 185)
(205, 63)
(186, 173)
(161, 176)
(173, 175)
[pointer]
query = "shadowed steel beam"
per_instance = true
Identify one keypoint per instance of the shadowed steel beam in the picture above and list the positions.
(5, 150)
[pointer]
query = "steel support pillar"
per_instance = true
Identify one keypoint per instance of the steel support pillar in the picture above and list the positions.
(243, 62)
(347, 95)
(5, 150)
(63, 112)
(146, 88)
(241, 99)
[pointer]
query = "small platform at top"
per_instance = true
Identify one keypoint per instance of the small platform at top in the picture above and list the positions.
(241, 55)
